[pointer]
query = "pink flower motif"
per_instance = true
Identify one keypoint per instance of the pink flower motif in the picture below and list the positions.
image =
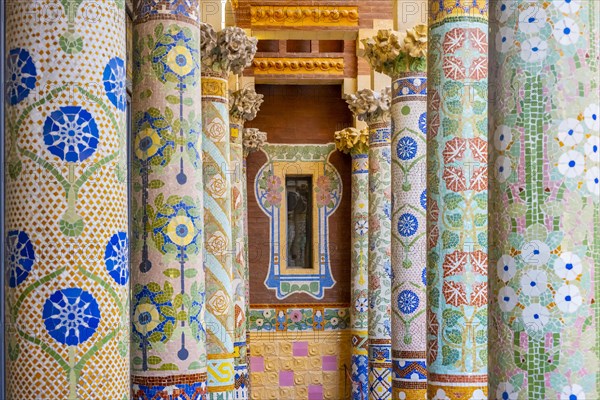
(323, 198)
(324, 183)
(274, 198)
(296, 316)
(273, 182)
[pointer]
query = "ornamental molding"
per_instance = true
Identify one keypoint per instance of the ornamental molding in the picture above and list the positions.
(304, 16)
(303, 65)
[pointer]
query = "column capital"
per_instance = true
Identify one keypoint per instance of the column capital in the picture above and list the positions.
(253, 140)
(369, 105)
(393, 52)
(244, 104)
(229, 50)
(352, 140)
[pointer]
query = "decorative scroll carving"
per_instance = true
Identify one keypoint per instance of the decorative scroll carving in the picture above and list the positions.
(322, 16)
(316, 66)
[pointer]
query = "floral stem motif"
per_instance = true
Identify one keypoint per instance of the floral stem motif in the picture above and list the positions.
(145, 265)
(71, 42)
(181, 176)
(545, 360)
(72, 373)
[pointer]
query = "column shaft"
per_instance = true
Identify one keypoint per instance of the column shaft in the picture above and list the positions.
(380, 265)
(238, 188)
(67, 272)
(544, 202)
(409, 243)
(457, 200)
(217, 236)
(168, 332)
(359, 303)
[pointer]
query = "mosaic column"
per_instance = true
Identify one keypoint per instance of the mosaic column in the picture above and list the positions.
(544, 202)
(356, 142)
(228, 51)
(409, 242)
(168, 340)
(67, 272)
(374, 108)
(244, 105)
(457, 200)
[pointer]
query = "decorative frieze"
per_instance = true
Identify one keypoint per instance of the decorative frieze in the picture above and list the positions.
(304, 16)
(297, 66)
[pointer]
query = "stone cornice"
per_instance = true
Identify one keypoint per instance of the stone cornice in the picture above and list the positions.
(369, 106)
(303, 65)
(304, 16)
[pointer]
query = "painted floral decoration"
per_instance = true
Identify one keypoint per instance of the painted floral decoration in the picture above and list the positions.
(116, 258)
(71, 316)
(326, 190)
(20, 257)
(21, 75)
(71, 134)
(273, 188)
(114, 83)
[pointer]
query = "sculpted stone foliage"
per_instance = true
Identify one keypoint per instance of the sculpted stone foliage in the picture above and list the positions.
(229, 50)
(393, 52)
(352, 140)
(253, 140)
(244, 104)
(370, 105)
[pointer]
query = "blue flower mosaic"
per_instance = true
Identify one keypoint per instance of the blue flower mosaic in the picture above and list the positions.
(151, 128)
(152, 310)
(181, 227)
(406, 149)
(20, 257)
(21, 75)
(71, 316)
(408, 301)
(423, 123)
(71, 134)
(116, 258)
(114, 82)
(175, 57)
(423, 199)
(424, 276)
(407, 225)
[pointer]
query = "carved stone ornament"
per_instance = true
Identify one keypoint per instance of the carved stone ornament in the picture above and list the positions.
(229, 50)
(244, 104)
(352, 140)
(253, 140)
(370, 106)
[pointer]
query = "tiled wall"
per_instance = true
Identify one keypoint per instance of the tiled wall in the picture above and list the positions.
(295, 365)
